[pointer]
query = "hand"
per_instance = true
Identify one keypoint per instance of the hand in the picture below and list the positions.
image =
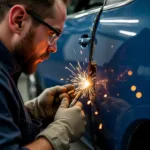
(72, 117)
(46, 104)
(69, 126)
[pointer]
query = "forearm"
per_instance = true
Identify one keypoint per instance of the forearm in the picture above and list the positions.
(40, 144)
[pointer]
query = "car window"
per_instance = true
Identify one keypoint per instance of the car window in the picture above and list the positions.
(109, 2)
(79, 5)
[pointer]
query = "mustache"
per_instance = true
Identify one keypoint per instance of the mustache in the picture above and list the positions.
(45, 55)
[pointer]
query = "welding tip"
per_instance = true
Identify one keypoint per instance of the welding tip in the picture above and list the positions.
(75, 99)
(70, 92)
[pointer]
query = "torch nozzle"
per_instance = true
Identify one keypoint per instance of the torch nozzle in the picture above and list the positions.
(75, 99)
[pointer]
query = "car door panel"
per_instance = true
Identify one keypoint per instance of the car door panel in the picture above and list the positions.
(122, 57)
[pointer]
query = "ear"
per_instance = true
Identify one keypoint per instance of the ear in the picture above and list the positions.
(17, 16)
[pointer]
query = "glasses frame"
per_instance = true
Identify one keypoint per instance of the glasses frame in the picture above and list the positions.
(38, 18)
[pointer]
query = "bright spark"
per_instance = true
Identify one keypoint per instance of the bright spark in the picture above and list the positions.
(86, 84)
(89, 102)
(72, 66)
(96, 113)
(100, 126)
(105, 95)
(81, 80)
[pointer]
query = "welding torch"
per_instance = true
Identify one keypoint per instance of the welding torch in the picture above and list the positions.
(76, 97)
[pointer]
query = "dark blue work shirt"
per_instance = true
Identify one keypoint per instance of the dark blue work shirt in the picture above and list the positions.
(16, 126)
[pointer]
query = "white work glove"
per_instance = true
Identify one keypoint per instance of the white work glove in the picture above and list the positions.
(46, 104)
(68, 126)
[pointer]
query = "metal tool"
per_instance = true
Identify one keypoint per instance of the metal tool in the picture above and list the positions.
(75, 99)
(71, 92)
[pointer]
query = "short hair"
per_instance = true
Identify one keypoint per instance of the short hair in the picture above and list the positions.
(35, 5)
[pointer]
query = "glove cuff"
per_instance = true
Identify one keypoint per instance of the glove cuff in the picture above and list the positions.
(57, 135)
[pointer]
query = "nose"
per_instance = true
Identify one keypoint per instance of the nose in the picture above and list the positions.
(52, 48)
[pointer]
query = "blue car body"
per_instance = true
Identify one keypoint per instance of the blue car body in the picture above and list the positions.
(122, 56)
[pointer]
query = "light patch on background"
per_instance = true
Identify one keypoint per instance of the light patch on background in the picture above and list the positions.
(119, 21)
(128, 33)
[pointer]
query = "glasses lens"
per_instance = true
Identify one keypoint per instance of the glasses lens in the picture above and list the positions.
(52, 39)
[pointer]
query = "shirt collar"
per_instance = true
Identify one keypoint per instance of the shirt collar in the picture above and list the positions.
(9, 62)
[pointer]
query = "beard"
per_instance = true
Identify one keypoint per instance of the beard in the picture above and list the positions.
(24, 53)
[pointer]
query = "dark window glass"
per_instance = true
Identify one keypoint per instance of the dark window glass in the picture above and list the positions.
(109, 2)
(79, 5)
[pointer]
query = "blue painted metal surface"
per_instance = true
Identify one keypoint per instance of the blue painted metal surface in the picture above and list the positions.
(122, 54)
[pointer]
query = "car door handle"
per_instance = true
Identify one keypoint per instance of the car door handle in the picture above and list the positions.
(84, 40)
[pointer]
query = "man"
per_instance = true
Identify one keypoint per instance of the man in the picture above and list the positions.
(29, 30)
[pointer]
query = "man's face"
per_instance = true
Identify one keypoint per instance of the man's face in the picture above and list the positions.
(33, 48)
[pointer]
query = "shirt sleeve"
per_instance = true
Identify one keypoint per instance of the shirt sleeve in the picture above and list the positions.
(10, 136)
